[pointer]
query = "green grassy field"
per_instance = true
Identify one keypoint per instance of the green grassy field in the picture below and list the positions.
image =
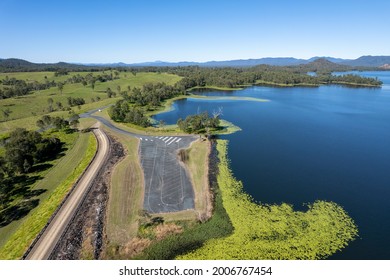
(36, 104)
(17, 236)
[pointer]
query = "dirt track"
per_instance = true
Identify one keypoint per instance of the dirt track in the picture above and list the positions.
(48, 240)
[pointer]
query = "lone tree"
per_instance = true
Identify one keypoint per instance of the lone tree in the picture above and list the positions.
(74, 120)
(60, 86)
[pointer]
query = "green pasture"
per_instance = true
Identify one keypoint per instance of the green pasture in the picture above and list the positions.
(36, 104)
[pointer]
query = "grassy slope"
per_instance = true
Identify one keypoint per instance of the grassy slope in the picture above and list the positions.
(274, 231)
(58, 181)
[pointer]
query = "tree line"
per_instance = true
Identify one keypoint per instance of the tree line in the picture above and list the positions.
(236, 77)
(14, 87)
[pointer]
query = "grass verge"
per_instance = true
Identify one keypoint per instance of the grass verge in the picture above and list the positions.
(227, 128)
(62, 176)
(198, 166)
(125, 198)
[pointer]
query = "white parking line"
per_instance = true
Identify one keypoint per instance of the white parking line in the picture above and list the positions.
(178, 140)
(166, 141)
(140, 138)
(170, 142)
(164, 138)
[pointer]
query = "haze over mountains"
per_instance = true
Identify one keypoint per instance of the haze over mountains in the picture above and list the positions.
(363, 61)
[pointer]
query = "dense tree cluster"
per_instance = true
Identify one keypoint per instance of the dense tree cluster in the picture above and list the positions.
(292, 75)
(198, 123)
(25, 152)
(61, 72)
(25, 148)
(123, 112)
(75, 101)
(151, 94)
(233, 77)
(349, 79)
(56, 122)
(59, 123)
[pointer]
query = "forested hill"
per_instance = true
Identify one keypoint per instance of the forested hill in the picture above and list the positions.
(20, 65)
(369, 61)
(322, 65)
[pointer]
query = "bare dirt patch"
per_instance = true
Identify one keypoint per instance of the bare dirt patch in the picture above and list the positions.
(164, 230)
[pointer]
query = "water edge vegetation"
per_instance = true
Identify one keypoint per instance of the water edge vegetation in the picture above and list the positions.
(274, 231)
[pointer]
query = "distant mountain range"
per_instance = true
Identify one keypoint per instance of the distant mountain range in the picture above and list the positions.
(14, 64)
(365, 61)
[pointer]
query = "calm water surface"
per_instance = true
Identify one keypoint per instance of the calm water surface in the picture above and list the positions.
(329, 143)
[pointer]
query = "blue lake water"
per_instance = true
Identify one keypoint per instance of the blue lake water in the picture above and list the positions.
(328, 143)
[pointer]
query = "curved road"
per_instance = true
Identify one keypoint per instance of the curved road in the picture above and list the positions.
(168, 186)
(44, 246)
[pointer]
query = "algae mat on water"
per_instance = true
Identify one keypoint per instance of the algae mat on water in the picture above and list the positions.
(274, 231)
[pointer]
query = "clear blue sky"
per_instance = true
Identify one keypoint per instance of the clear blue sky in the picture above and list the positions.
(191, 30)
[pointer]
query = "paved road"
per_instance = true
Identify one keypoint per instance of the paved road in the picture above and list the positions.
(46, 243)
(168, 187)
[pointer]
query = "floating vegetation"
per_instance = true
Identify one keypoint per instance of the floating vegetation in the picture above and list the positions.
(264, 231)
